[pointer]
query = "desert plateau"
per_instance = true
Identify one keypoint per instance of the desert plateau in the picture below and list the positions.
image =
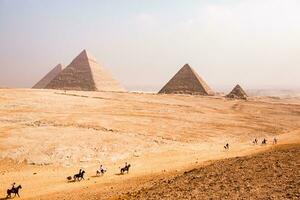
(47, 135)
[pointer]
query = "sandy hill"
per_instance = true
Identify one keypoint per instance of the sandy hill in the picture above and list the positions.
(270, 175)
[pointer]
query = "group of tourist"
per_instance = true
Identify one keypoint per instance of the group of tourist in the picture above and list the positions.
(15, 190)
(264, 141)
(80, 176)
(255, 142)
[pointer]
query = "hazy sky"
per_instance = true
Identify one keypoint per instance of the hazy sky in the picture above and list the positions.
(143, 43)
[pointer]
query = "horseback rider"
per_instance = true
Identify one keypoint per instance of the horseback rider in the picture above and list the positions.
(125, 168)
(102, 169)
(13, 186)
(80, 171)
(255, 141)
(14, 190)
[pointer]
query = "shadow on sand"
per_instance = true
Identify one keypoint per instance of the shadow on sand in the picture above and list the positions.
(119, 174)
(95, 176)
(4, 198)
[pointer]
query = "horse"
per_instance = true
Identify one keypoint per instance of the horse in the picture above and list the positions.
(226, 146)
(125, 169)
(100, 172)
(79, 176)
(14, 190)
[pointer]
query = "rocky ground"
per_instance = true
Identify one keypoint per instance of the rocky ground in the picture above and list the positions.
(274, 174)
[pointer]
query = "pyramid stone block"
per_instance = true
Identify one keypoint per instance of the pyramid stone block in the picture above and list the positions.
(48, 78)
(186, 81)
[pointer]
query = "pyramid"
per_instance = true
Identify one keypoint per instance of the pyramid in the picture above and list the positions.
(237, 93)
(48, 78)
(84, 74)
(186, 81)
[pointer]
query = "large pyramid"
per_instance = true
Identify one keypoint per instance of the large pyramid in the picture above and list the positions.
(84, 73)
(237, 93)
(187, 81)
(48, 78)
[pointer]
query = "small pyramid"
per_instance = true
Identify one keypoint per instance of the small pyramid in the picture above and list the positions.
(186, 81)
(84, 74)
(237, 93)
(48, 78)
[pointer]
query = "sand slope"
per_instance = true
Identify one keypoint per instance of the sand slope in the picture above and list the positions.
(274, 174)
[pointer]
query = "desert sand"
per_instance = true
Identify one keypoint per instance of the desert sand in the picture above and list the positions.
(269, 175)
(47, 135)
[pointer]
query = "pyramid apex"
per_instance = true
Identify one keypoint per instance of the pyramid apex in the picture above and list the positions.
(238, 87)
(186, 65)
(84, 54)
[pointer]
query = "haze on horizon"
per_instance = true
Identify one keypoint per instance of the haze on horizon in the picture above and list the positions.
(255, 43)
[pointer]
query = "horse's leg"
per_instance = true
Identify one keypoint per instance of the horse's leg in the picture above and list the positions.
(18, 194)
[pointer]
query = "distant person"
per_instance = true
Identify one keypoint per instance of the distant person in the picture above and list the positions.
(264, 141)
(102, 169)
(14, 190)
(126, 168)
(226, 146)
(13, 186)
(275, 141)
(255, 141)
